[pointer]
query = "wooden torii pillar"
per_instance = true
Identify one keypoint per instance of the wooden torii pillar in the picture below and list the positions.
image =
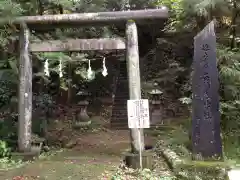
(99, 18)
(25, 92)
(134, 79)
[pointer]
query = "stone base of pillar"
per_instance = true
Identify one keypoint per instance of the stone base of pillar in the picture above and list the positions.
(133, 161)
(27, 156)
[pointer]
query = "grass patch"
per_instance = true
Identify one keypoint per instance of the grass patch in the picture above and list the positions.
(174, 137)
(232, 148)
(65, 165)
(10, 163)
(173, 142)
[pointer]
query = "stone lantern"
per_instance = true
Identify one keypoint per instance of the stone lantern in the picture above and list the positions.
(155, 102)
(82, 118)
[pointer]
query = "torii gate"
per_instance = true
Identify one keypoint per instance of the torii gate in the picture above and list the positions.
(81, 19)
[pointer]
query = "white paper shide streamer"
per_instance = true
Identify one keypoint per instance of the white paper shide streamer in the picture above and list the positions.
(60, 68)
(89, 71)
(104, 72)
(46, 70)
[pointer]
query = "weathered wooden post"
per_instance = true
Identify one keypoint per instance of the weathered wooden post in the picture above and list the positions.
(206, 140)
(25, 92)
(137, 158)
(133, 78)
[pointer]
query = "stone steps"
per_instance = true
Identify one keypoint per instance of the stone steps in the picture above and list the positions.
(119, 112)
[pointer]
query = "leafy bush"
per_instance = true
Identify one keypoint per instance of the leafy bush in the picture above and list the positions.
(44, 105)
(5, 93)
(44, 101)
(8, 130)
(4, 149)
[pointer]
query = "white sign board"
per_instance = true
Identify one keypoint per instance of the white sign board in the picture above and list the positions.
(234, 174)
(138, 113)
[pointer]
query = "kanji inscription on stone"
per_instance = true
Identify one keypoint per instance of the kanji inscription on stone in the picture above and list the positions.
(206, 139)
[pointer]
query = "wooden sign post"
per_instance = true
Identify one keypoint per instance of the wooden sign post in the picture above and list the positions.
(138, 114)
(138, 118)
(133, 79)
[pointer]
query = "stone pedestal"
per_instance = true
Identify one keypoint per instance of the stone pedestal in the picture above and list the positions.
(82, 118)
(133, 161)
(83, 115)
(155, 112)
(156, 105)
(26, 156)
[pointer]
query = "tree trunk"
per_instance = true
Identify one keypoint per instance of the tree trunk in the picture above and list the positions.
(25, 92)
(134, 79)
(40, 7)
(233, 25)
(69, 97)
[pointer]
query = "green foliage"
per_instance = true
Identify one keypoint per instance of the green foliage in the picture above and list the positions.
(44, 101)
(229, 68)
(10, 8)
(201, 7)
(5, 93)
(8, 130)
(4, 149)
(177, 12)
(186, 100)
(7, 163)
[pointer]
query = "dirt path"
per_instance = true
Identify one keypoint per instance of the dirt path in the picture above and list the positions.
(91, 155)
(67, 165)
